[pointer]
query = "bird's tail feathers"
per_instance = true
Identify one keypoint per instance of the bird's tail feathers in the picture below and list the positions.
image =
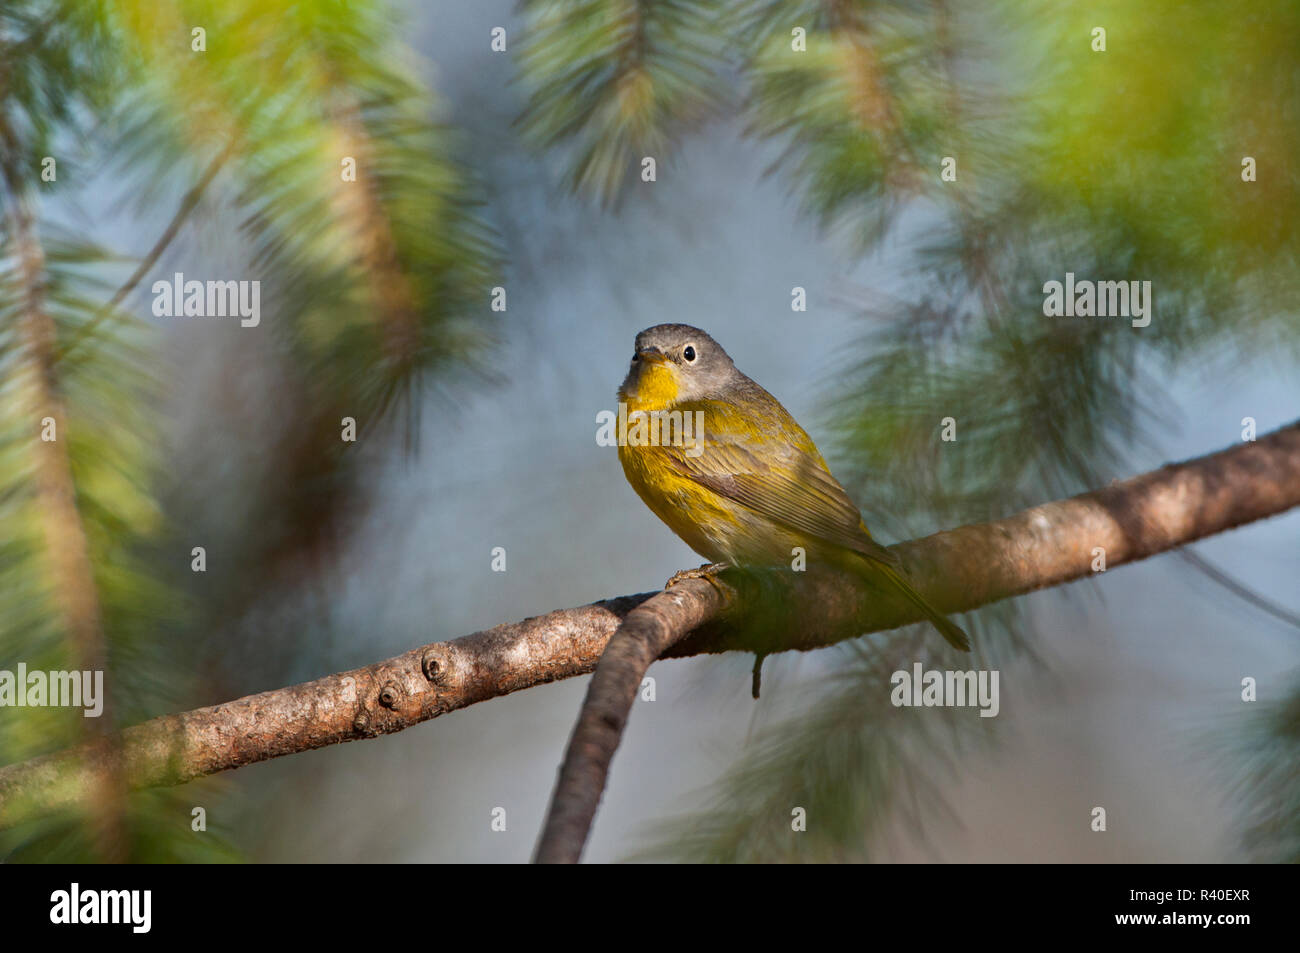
(954, 633)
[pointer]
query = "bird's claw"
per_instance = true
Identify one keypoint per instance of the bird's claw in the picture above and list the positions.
(705, 572)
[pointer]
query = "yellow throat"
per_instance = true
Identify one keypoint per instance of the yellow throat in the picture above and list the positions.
(656, 389)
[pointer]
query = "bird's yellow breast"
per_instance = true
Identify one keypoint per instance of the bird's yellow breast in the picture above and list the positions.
(733, 439)
(701, 518)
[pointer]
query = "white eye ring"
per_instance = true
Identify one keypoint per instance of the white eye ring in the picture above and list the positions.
(688, 353)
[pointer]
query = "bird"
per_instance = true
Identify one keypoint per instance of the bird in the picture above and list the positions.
(747, 485)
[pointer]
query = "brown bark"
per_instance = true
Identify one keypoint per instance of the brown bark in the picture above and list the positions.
(647, 631)
(957, 570)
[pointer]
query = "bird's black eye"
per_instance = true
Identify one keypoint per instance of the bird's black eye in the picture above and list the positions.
(689, 353)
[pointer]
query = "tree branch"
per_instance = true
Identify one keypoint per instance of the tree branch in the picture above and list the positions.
(957, 570)
(649, 629)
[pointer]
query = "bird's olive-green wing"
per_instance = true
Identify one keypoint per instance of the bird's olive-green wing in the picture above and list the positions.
(784, 483)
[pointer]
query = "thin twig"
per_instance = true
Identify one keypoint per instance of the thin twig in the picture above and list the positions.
(647, 632)
(188, 203)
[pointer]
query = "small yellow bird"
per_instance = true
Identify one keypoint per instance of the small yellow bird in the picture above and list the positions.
(752, 485)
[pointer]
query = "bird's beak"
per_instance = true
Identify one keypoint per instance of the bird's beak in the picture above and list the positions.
(652, 355)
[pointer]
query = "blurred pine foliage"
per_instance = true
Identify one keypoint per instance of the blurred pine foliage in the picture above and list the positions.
(373, 286)
(1122, 164)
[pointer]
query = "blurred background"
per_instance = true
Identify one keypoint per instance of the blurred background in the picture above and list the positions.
(797, 145)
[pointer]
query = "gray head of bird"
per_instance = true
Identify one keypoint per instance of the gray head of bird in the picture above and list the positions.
(677, 363)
